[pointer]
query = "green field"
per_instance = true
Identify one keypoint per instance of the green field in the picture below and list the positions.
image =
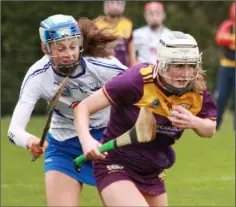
(204, 173)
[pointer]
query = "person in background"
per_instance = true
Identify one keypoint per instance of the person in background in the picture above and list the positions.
(70, 49)
(146, 38)
(225, 37)
(120, 26)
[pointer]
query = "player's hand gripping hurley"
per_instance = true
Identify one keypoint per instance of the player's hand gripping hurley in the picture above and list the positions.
(51, 105)
(143, 131)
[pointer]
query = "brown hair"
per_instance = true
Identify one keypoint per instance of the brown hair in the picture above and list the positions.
(94, 40)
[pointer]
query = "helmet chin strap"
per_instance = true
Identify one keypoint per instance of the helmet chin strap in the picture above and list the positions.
(67, 70)
(169, 89)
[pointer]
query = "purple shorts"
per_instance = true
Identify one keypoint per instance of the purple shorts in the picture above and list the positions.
(107, 172)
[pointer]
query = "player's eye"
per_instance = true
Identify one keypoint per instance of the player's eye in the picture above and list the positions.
(60, 49)
(73, 47)
(192, 65)
(179, 65)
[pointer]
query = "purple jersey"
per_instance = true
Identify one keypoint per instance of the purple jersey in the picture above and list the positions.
(136, 88)
(121, 51)
(123, 28)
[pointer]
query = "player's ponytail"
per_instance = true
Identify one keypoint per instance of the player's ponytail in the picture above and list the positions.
(95, 41)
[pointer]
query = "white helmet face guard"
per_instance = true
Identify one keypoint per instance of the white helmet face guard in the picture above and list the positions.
(53, 31)
(70, 67)
(194, 62)
(177, 48)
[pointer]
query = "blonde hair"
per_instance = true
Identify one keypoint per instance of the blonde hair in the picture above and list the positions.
(199, 84)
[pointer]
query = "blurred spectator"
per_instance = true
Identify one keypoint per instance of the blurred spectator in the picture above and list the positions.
(147, 37)
(122, 27)
(225, 37)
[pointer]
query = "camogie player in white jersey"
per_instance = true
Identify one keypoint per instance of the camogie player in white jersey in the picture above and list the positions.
(63, 42)
(146, 38)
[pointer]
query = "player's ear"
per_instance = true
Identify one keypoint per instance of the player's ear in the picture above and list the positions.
(44, 48)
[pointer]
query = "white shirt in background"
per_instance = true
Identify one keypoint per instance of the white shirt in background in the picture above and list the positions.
(145, 42)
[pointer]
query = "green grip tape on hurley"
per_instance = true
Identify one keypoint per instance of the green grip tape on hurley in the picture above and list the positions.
(104, 148)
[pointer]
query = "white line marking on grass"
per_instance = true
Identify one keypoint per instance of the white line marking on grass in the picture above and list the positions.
(205, 179)
(4, 185)
(18, 185)
(227, 178)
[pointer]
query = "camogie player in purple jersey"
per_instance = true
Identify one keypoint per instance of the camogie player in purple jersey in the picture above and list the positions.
(121, 26)
(175, 91)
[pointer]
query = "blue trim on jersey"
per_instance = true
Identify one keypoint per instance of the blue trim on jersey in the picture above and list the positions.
(57, 111)
(35, 73)
(83, 68)
(83, 63)
(105, 65)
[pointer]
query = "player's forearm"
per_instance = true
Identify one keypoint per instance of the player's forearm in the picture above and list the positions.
(132, 54)
(81, 122)
(18, 136)
(205, 127)
(132, 59)
(20, 118)
(95, 102)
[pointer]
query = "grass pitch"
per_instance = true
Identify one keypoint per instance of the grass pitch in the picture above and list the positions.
(203, 175)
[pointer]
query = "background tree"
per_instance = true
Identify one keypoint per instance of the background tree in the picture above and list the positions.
(20, 45)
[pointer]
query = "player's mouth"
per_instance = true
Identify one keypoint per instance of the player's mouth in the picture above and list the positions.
(67, 61)
(182, 82)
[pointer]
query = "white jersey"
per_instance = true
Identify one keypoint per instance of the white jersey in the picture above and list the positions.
(145, 42)
(41, 82)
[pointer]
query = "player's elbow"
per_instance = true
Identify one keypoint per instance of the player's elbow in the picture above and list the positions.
(210, 131)
(206, 129)
(206, 134)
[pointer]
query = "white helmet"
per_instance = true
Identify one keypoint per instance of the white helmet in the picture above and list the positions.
(61, 27)
(177, 48)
